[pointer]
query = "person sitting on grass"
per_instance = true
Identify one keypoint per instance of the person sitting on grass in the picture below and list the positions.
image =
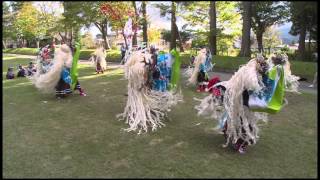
(21, 71)
(10, 73)
(31, 69)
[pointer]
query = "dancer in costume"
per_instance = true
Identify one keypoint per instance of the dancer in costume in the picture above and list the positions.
(200, 72)
(62, 74)
(256, 89)
(161, 73)
(145, 107)
(98, 58)
(44, 61)
(175, 73)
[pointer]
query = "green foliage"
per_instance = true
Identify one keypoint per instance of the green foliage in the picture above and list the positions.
(166, 35)
(271, 38)
(228, 23)
(87, 40)
(303, 13)
(26, 23)
(268, 13)
(8, 29)
(154, 35)
(117, 12)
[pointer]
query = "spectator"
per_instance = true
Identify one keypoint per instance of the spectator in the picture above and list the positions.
(21, 71)
(123, 51)
(10, 73)
(31, 69)
(315, 79)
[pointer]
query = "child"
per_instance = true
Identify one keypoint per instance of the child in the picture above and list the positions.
(21, 71)
(31, 69)
(10, 73)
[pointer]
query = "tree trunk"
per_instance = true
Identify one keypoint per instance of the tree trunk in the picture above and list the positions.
(103, 28)
(259, 39)
(4, 44)
(38, 43)
(302, 38)
(179, 37)
(246, 26)
(145, 25)
(105, 38)
(213, 28)
(134, 23)
(173, 43)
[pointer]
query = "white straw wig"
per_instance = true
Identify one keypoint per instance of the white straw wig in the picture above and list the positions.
(200, 58)
(145, 108)
(46, 82)
(100, 55)
(239, 117)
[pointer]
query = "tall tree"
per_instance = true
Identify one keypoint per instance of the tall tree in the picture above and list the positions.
(172, 9)
(27, 23)
(266, 14)
(72, 20)
(173, 43)
(228, 27)
(117, 13)
(134, 23)
(213, 28)
(93, 15)
(304, 19)
(7, 24)
(144, 22)
(246, 28)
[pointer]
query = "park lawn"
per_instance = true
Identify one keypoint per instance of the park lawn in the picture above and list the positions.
(80, 137)
(223, 63)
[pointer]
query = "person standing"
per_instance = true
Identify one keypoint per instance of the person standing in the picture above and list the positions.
(315, 78)
(123, 52)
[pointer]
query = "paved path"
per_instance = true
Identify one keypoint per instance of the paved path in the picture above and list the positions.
(223, 75)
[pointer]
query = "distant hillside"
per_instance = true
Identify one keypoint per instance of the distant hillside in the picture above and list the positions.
(284, 34)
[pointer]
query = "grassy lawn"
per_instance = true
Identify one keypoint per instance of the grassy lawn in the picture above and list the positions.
(223, 63)
(81, 137)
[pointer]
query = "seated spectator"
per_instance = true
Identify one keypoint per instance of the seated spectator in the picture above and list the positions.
(10, 73)
(21, 71)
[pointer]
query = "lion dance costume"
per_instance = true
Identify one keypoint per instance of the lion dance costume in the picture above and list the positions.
(60, 75)
(146, 107)
(255, 90)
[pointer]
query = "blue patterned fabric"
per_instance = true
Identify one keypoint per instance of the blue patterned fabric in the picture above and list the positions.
(161, 84)
(65, 75)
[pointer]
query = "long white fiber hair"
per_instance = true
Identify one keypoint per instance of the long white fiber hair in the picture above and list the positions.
(200, 58)
(291, 81)
(246, 78)
(145, 108)
(46, 82)
(100, 55)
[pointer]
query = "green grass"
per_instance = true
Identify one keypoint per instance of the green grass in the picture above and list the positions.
(223, 63)
(81, 137)
(112, 55)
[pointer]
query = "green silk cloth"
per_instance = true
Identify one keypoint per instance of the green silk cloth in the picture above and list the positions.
(175, 71)
(275, 103)
(74, 68)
